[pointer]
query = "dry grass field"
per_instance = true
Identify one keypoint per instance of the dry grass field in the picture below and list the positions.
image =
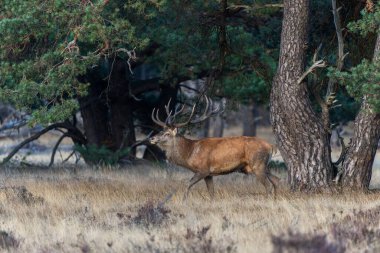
(140, 209)
(74, 208)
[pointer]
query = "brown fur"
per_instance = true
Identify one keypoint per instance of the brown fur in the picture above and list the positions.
(210, 157)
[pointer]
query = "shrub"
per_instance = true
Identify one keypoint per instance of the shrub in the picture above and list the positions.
(304, 243)
(150, 215)
(7, 240)
(101, 155)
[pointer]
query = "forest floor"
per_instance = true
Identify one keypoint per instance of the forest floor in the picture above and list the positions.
(140, 209)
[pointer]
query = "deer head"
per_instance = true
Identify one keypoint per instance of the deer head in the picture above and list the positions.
(170, 127)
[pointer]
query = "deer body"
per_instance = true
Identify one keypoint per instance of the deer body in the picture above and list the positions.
(210, 157)
(216, 156)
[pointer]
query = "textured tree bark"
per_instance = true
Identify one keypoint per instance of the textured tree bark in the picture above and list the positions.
(218, 126)
(107, 110)
(249, 120)
(357, 166)
(205, 129)
(300, 135)
(94, 114)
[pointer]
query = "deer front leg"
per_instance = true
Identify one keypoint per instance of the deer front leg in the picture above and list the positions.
(195, 179)
(210, 186)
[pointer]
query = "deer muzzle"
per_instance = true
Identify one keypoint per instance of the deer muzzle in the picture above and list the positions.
(153, 140)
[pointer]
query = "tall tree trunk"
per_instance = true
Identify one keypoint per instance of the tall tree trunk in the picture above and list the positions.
(249, 119)
(301, 138)
(94, 113)
(218, 126)
(357, 166)
(205, 129)
(107, 110)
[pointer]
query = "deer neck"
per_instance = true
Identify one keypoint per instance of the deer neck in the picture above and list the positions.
(180, 150)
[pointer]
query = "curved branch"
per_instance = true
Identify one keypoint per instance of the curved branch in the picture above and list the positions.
(30, 139)
(56, 147)
(72, 131)
(344, 150)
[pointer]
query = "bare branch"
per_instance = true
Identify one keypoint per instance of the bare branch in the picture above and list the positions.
(72, 131)
(30, 139)
(131, 56)
(332, 86)
(67, 158)
(140, 142)
(56, 147)
(344, 150)
(189, 88)
(338, 163)
(131, 93)
(338, 29)
(317, 64)
(315, 56)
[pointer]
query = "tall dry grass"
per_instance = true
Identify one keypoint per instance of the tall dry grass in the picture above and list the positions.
(116, 210)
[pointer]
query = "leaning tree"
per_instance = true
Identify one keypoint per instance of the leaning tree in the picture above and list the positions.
(302, 132)
(363, 83)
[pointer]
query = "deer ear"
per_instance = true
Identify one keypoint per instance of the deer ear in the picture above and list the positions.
(174, 132)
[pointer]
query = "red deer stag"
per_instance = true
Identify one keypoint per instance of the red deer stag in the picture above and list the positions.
(210, 157)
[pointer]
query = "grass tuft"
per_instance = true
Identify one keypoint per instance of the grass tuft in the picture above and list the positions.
(140, 209)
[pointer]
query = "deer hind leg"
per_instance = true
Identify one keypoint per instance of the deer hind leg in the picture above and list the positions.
(274, 181)
(264, 180)
(210, 186)
(195, 179)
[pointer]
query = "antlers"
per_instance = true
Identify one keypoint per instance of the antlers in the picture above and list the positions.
(169, 122)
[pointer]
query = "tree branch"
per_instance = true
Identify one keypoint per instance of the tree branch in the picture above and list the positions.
(344, 150)
(332, 86)
(342, 157)
(67, 158)
(71, 130)
(56, 147)
(140, 142)
(189, 88)
(316, 64)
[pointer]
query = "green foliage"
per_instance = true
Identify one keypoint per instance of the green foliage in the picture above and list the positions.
(46, 45)
(188, 33)
(363, 79)
(101, 155)
(369, 23)
(347, 111)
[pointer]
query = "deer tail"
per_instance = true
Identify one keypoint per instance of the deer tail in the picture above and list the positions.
(273, 151)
